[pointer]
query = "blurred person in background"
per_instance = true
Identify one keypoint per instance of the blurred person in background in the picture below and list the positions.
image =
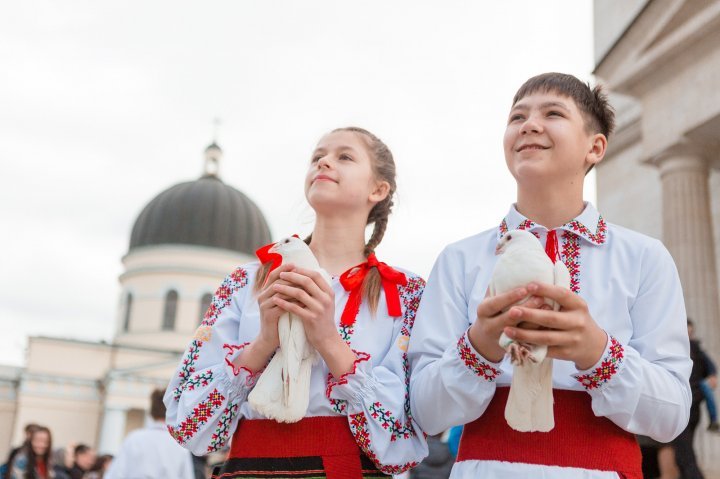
(98, 470)
(29, 429)
(83, 460)
(150, 452)
(32, 461)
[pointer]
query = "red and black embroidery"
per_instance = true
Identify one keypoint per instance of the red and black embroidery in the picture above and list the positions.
(472, 361)
(359, 429)
(200, 415)
(610, 364)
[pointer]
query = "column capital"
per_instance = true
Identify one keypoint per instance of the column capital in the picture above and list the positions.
(684, 155)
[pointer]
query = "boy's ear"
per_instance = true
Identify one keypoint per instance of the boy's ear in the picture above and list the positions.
(598, 147)
(381, 191)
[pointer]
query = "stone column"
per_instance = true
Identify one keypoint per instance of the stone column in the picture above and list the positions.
(688, 235)
(113, 430)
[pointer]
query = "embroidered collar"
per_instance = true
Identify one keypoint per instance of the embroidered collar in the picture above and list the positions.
(588, 225)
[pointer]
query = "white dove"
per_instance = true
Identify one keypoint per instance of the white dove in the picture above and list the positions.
(283, 390)
(530, 402)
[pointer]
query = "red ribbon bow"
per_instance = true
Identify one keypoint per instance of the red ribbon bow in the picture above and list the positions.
(352, 281)
(265, 256)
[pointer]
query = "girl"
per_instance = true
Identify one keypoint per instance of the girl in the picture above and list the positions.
(33, 460)
(358, 421)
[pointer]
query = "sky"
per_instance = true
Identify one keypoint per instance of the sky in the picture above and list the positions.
(103, 105)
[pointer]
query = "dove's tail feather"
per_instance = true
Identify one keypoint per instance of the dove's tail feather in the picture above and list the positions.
(527, 405)
(266, 396)
(542, 408)
(299, 391)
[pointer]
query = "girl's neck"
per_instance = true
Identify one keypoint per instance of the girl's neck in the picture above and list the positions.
(548, 207)
(339, 243)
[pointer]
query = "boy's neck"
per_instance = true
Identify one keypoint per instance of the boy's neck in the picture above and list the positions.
(338, 243)
(550, 209)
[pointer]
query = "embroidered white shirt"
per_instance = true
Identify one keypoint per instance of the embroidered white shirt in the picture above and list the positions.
(631, 286)
(208, 395)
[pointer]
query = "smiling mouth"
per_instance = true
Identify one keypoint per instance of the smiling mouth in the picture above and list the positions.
(531, 148)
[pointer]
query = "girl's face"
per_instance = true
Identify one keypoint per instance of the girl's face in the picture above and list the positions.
(340, 178)
(40, 443)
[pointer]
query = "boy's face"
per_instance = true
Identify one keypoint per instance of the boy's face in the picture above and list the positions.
(546, 139)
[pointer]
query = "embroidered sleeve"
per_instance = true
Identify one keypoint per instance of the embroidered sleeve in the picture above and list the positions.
(446, 370)
(609, 365)
(376, 395)
(474, 361)
(205, 393)
(644, 376)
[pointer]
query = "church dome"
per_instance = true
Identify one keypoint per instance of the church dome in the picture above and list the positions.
(204, 212)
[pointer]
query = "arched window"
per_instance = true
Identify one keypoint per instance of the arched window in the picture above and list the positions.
(171, 299)
(204, 305)
(128, 308)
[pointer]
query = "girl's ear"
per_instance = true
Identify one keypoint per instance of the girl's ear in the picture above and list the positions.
(381, 191)
(597, 149)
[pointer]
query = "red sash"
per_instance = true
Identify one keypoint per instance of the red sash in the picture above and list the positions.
(580, 439)
(326, 436)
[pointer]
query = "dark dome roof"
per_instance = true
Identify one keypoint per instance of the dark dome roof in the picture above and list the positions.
(204, 212)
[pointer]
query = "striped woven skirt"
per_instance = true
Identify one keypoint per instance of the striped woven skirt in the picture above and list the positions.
(315, 447)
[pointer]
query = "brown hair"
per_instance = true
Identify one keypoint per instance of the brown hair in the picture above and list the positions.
(383, 166)
(157, 406)
(32, 458)
(593, 103)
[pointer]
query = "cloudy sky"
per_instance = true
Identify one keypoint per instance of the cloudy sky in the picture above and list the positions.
(105, 104)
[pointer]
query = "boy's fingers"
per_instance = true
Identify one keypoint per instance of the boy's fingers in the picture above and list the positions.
(563, 296)
(490, 307)
(541, 317)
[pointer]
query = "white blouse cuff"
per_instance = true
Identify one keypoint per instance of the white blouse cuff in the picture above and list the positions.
(239, 376)
(475, 362)
(601, 374)
(356, 385)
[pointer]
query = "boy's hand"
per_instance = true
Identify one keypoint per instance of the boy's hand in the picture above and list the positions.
(485, 332)
(570, 333)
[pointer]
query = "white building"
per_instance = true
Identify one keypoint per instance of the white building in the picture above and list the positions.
(183, 244)
(661, 59)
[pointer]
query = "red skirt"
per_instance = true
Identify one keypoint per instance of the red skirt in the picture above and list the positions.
(315, 447)
(580, 439)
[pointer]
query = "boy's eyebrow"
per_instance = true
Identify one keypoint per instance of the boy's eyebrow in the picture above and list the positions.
(547, 104)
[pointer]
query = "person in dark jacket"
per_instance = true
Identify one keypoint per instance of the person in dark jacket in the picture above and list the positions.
(683, 444)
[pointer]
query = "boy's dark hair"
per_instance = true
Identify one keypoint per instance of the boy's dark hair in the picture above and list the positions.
(599, 115)
(80, 449)
(157, 406)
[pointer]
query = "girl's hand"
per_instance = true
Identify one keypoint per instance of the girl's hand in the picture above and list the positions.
(570, 333)
(306, 294)
(485, 332)
(256, 355)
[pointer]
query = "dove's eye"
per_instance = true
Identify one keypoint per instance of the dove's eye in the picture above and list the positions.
(509, 237)
(286, 241)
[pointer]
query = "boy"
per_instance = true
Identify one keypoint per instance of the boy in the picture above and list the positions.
(619, 341)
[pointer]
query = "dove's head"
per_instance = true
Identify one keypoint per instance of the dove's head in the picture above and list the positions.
(288, 246)
(515, 239)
